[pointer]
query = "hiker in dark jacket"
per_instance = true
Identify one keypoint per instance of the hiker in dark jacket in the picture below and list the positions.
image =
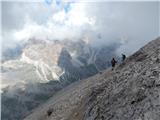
(123, 57)
(113, 62)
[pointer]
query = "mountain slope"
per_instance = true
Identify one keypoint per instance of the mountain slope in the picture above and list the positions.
(44, 67)
(130, 92)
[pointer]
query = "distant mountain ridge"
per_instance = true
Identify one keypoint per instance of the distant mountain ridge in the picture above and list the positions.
(47, 58)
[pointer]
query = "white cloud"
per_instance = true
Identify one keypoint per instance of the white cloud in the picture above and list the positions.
(60, 25)
(59, 17)
(130, 23)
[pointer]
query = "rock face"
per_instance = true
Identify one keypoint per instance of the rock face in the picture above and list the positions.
(42, 61)
(130, 92)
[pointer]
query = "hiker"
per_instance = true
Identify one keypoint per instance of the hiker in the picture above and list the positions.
(123, 57)
(113, 62)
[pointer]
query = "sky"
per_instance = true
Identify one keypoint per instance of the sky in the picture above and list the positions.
(132, 24)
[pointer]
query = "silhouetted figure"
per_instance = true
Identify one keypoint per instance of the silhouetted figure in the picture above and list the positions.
(113, 62)
(49, 112)
(123, 57)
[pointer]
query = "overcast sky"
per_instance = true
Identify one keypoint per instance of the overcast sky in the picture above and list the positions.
(132, 24)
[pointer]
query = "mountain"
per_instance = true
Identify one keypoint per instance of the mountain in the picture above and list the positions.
(130, 92)
(44, 67)
(43, 60)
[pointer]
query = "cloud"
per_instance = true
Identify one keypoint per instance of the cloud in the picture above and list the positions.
(132, 24)
(60, 25)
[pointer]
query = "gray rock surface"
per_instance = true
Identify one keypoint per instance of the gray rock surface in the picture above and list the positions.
(133, 92)
(130, 92)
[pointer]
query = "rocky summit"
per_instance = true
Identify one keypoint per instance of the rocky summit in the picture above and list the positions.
(130, 92)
